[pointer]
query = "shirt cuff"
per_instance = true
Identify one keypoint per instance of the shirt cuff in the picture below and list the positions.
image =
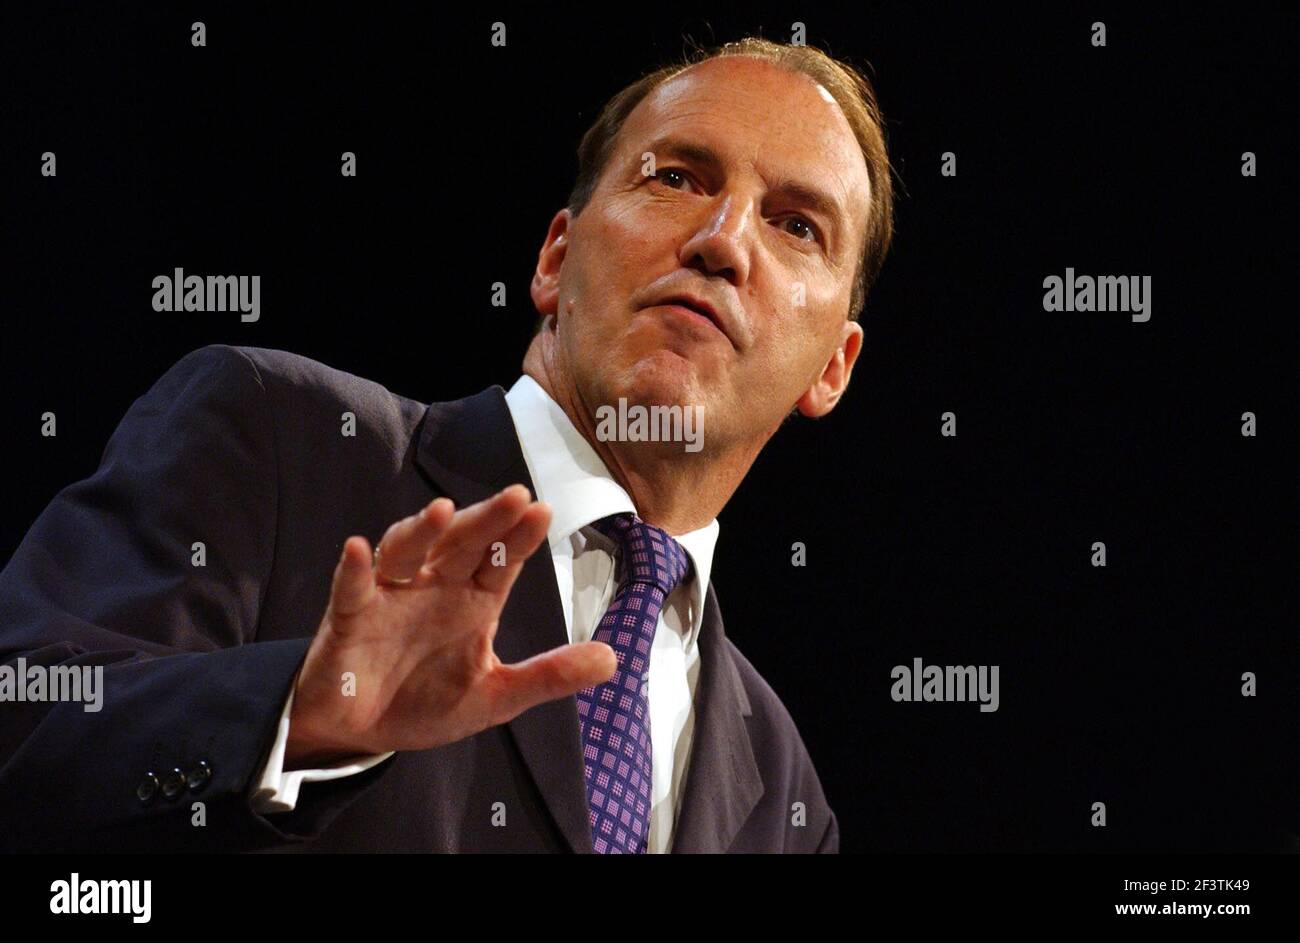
(275, 790)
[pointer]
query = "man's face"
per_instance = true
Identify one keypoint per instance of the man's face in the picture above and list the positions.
(757, 208)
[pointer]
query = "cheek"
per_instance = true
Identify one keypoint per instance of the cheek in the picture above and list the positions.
(796, 288)
(630, 243)
(634, 231)
(796, 344)
(816, 323)
(610, 258)
(823, 290)
(793, 302)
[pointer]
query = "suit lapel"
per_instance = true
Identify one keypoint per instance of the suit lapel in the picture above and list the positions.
(471, 451)
(722, 780)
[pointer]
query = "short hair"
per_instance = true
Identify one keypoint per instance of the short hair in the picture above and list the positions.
(851, 90)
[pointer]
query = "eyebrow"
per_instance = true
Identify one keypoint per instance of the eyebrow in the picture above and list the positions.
(815, 199)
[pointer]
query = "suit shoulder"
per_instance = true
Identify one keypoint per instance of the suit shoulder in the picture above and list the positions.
(302, 373)
(299, 386)
(281, 367)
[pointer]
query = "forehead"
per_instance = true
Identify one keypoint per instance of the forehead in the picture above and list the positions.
(753, 112)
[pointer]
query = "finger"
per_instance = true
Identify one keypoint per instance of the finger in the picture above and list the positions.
(558, 673)
(354, 583)
(505, 557)
(406, 542)
(459, 551)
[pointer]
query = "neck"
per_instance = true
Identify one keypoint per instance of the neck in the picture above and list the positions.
(671, 488)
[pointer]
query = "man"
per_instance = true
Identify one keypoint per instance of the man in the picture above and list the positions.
(455, 687)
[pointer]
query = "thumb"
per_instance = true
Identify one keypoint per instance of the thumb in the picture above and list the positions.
(354, 581)
(558, 673)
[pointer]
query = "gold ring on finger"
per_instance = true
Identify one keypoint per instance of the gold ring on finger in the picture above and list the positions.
(387, 580)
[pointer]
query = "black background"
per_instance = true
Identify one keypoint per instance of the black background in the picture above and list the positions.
(1119, 685)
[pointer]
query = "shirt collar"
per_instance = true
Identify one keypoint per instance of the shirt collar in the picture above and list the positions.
(569, 476)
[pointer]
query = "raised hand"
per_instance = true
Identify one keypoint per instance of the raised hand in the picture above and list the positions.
(415, 633)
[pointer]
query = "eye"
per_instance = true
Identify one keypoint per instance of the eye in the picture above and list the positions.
(672, 178)
(799, 227)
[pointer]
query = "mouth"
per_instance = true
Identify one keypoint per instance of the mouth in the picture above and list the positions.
(697, 309)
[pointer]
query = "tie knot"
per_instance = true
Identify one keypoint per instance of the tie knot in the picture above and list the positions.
(650, 555)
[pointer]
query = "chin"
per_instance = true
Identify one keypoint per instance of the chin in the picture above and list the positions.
(663, 377)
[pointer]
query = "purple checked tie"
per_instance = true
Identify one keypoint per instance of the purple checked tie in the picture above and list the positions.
(615, 716)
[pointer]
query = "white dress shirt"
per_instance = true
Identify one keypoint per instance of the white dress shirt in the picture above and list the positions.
(569, 476)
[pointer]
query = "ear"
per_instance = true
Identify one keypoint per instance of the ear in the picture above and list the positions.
(545, 287)
(821, 397)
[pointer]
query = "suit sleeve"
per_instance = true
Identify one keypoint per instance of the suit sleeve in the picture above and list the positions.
(275, 789)
(152, 571)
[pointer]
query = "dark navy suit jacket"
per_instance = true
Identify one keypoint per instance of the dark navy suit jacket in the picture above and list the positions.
(240, 449)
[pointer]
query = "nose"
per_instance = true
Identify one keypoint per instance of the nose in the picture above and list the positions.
(721, 244)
